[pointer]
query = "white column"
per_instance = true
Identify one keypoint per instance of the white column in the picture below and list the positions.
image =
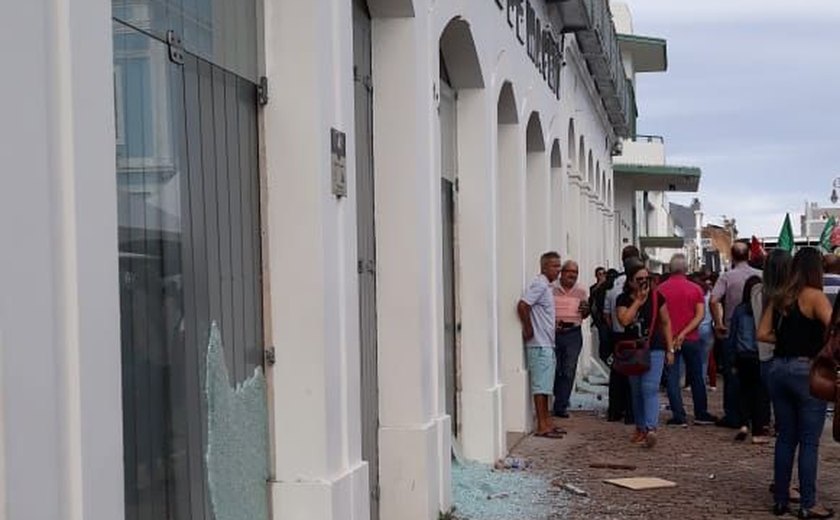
(415, 432)
(576, 223)
(60, 389)
(311, 257)
(510, 247)
(482, 437)
(538, 229)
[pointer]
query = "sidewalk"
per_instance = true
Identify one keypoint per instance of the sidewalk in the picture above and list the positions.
(716, 477)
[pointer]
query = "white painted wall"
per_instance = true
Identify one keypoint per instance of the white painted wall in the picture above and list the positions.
(61, 410)
(642, 153)
(311, 259)
(625, 201)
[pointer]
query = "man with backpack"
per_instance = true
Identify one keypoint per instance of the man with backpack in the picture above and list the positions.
(726, 295)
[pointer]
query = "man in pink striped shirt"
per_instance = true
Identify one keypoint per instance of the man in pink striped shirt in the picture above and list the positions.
(571, 304)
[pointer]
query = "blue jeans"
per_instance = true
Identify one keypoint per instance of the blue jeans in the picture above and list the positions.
(567, 351)
(644, 390)
(692, 353)
(707, 339)
(800, 419)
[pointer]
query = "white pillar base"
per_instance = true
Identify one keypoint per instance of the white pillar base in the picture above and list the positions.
(343, 498)
(518, 416)
(482, 436)
(414, 470)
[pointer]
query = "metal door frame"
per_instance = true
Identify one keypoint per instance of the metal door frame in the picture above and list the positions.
(366, 242)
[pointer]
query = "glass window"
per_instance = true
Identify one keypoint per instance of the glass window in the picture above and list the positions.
(189, 256)
(223, 32)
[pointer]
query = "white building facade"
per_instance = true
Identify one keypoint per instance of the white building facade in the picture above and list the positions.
(356, 192)
(643, 177)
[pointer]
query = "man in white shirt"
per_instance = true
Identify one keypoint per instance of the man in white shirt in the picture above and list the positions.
(537, 314)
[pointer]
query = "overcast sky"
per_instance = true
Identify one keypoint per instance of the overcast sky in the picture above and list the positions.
(752, 96)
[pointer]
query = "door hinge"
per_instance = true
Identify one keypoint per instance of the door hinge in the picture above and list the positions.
(270, 356)
(457, 185)
(262, 91)
(176, 47)
(366, 266)
(363, 80)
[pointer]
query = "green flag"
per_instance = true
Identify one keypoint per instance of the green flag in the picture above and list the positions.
(786, 235)
(825, 237)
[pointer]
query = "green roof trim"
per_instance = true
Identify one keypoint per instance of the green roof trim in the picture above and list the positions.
(648, 40)
(649, 169)
(650, 53)
(648, 177)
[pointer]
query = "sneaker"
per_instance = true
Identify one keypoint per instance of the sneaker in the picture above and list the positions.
(705, 420)
(677, 422)
(638, 437)
(650, 439)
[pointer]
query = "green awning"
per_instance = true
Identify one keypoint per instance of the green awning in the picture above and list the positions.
(659, 178)
(649, 54)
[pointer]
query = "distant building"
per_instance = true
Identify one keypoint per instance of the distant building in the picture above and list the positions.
(688, 221)
(642, 175)
(812, 222)
(717, 243)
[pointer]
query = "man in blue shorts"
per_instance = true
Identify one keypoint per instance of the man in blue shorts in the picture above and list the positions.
(537, 314)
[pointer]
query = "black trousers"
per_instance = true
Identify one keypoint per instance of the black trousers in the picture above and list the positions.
(621, 403)
(754, 401)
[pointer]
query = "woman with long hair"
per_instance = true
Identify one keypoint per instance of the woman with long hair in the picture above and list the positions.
(796, 320)
(776, 273)
(635, 312)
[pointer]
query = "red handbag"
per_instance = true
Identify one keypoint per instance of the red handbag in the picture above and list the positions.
(631, 357)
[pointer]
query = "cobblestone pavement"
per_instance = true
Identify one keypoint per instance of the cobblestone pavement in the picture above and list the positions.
(716, 477)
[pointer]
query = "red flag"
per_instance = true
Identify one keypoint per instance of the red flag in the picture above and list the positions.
(835, 237)
(757, 252)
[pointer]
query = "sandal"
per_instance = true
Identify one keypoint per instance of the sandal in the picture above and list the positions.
(551, 434)
(813, 513)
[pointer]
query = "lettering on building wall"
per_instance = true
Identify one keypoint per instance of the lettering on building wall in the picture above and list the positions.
(538, 38)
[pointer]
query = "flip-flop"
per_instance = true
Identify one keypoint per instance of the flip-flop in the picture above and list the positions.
(552, 434)
(559, 430)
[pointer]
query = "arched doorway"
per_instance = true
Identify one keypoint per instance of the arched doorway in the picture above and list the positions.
(510, 244)
(460, 71)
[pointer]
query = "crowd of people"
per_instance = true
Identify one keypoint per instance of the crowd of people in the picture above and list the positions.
(758, 325)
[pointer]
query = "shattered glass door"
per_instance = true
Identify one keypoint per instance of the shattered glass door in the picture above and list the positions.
(189, 253)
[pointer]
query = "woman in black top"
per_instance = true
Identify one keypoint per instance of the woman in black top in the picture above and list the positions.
(635, 313)
(795, 321)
